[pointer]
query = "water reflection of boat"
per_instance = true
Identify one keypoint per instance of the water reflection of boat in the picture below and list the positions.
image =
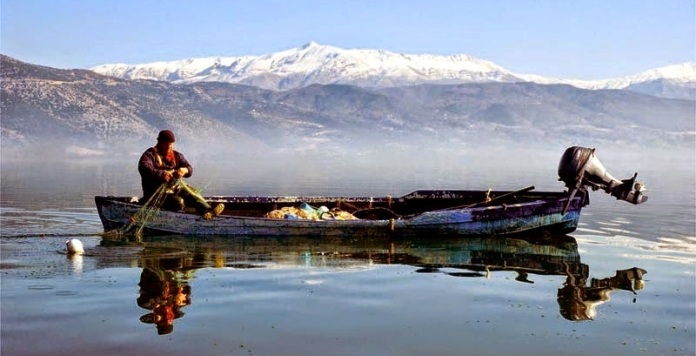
(169, 261)
(550, 255)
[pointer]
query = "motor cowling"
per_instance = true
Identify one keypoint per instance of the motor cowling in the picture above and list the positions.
(579, 169)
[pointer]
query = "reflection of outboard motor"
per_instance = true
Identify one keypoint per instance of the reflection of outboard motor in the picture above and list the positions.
(579, 302)
(579, 169)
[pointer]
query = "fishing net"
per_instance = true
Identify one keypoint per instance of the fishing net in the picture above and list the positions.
(148, 211)
(152, 206)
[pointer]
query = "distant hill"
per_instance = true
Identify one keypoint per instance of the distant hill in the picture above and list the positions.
(320, 64)
(85, 112)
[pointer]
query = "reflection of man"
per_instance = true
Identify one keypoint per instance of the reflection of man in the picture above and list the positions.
(579, 302)
(161, 293)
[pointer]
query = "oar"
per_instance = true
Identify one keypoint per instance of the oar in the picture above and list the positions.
(523, 190)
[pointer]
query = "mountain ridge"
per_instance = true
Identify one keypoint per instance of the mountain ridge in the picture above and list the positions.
(314, 63)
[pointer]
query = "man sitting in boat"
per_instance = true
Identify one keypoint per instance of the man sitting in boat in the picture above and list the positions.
(161, 168)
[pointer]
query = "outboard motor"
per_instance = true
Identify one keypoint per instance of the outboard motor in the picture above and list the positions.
(579, 169)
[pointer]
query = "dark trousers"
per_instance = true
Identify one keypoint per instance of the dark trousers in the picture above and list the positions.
(180, 200)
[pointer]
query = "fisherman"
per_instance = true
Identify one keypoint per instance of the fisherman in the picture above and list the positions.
(160, 165)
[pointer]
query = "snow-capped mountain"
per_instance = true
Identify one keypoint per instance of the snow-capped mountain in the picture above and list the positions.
(320, 64)
(684, 74)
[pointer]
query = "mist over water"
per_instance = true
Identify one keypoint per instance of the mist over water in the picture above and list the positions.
(300, 291)
(669, 175)
(367, 169)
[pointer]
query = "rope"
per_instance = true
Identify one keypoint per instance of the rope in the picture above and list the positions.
(152, 206)
(148, 210)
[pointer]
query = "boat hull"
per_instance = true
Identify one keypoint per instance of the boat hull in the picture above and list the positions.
(536, 216)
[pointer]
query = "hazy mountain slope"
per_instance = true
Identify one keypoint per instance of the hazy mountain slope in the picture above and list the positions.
(41, 105)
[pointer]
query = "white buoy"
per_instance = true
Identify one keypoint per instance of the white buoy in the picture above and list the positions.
(75, 246)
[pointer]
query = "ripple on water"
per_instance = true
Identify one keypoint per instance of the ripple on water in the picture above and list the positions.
(10, 265)
(66, 293)
(673, 249)
(23, 222)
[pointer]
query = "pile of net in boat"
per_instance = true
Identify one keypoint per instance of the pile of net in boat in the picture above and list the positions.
(307, 212)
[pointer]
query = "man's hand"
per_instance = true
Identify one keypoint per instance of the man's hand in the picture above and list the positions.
(167, 176)
(181, 172)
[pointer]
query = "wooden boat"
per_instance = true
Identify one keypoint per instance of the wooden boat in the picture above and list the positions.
(459, 212)
(417, 213)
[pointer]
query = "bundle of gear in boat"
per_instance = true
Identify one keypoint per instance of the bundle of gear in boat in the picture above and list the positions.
(168, 197)
(306, 211)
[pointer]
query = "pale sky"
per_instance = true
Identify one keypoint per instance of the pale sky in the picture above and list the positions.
(589, 39)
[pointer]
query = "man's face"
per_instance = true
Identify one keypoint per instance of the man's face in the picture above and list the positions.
(165, 147)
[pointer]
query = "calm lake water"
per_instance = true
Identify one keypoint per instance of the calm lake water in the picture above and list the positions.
(574, 295)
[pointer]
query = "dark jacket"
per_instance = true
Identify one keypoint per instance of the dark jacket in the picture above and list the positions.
(151, 168)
